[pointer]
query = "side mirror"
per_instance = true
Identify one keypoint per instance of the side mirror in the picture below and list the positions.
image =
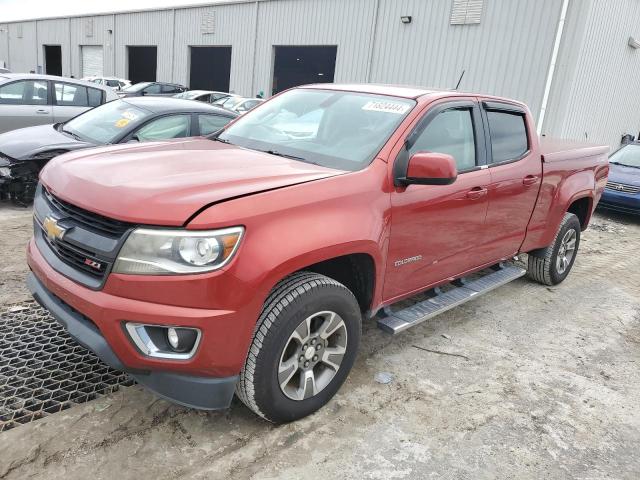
(429, 168)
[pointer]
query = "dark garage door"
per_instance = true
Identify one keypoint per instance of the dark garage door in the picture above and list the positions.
(295, 66)
(143, 62)
(210, 68)
(53, 60)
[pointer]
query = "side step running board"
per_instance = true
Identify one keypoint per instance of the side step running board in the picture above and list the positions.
(399, 320)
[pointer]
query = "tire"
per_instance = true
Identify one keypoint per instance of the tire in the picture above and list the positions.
(303, 302)
(546, 265)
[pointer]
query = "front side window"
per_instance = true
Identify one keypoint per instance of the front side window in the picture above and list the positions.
(211, 123)
(508, 135)
(26, 92)
(106, 123)
(173, 126)
(71, 95)
(345, 131)
(450, 132)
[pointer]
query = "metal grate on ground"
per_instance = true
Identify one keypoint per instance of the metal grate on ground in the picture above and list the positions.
(43, 370)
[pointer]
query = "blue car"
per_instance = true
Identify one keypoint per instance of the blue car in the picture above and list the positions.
(622, 192)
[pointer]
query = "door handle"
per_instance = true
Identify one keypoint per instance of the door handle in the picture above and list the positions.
(529, 180)
(476, 193)
(42, 111)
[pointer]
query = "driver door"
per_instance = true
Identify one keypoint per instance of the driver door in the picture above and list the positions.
(437, 231)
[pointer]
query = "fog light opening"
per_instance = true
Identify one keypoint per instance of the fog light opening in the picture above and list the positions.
(178, 343)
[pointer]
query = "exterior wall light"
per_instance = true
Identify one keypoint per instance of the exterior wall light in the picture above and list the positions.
(406, 19)
(633, 43)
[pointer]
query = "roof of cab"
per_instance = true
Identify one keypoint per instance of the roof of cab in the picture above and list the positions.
(404, 91)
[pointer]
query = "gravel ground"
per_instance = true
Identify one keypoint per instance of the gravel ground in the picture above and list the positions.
(545, 385)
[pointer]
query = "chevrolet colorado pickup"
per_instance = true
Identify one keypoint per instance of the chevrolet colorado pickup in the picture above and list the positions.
(246, 262)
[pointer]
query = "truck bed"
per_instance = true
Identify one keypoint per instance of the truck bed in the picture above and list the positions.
(555, 149)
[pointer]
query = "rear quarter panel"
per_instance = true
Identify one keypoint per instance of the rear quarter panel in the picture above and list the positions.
(568, 176)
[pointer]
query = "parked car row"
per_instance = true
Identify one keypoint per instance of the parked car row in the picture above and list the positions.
(61, 115)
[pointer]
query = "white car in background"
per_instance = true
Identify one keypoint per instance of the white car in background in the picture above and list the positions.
(113, 82)
(238, 104)
(31, 99)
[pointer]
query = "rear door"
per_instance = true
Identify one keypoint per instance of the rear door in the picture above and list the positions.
(436, 230)
(516, 175)
(24, 103)
(71, 99)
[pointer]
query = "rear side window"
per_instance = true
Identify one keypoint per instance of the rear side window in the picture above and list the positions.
(26, 92)
(71, 95)
(211, 123)
(171, 89)
(450, 132)
(95, 97)
(508, 135)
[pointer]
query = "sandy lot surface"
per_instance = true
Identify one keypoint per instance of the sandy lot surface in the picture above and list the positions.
(546, 385)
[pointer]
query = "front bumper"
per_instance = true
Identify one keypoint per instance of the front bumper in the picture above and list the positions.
(191, 391)
(621, 202)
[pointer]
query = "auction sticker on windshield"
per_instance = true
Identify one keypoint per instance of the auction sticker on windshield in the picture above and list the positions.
(389, 107)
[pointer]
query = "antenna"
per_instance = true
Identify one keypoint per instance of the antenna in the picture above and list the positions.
(460, 79)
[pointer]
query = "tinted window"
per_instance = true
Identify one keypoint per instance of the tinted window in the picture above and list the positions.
(508, 135)
(450, 132)
(95, 97)
(211, 123)
(30, 92)
(71, 95)
(153, 89)
(112, 83)
(171, 89)
(173, 126)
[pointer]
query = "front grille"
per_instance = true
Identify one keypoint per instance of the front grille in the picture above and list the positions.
(621, 187)
(78, 258)
(93, 221)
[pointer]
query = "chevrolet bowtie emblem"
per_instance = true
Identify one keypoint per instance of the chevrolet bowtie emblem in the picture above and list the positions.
(52, 229)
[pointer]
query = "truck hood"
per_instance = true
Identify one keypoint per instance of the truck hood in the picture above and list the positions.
(24, 143)
(165, 183)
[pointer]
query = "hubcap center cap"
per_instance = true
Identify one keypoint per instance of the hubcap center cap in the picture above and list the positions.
(309, 352)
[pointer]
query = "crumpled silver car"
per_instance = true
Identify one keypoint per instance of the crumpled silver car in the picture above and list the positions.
(31, 99)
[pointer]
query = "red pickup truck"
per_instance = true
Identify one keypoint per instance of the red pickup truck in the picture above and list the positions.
(246, 262)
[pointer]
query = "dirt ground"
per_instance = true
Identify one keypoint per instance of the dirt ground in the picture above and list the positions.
(546, 384)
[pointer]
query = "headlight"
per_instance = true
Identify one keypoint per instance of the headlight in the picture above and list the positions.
(168, 252)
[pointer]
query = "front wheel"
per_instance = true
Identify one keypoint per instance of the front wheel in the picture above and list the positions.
(552, 264)
(303, 348)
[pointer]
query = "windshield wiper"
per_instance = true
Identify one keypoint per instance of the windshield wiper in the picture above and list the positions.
(285, 155)
(74, 135)
(625, 164)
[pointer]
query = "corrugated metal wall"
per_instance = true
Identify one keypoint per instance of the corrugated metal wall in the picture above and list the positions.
(234, 25)
(594, 93)
(507, 54)
(598, 97)
(93, 31)
(347, 24)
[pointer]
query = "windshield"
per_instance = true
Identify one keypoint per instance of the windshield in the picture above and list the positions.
(628, 155)
(137, 87)
(189, 94)
(342, 130)
(105, 123)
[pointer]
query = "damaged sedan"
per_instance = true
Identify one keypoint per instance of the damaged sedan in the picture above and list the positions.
(25, 151)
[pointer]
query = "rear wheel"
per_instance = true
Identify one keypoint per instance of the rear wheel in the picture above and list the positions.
(552, 264)
(303, 348)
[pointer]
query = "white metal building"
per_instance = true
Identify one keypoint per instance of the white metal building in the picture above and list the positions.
(574, 62)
